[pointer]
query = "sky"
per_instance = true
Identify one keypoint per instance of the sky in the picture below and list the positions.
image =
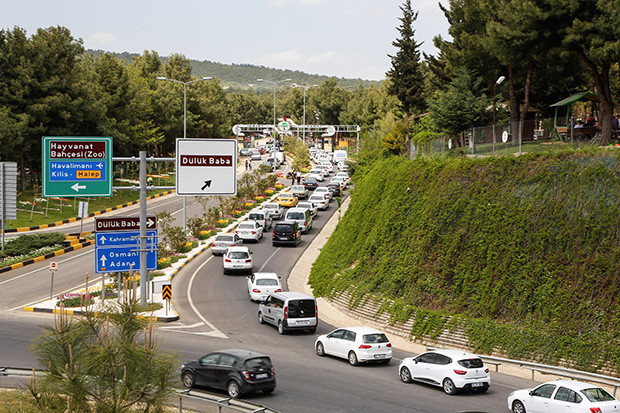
(343, 38)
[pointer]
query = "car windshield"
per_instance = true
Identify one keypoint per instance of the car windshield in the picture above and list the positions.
(266, 281)
(224, 238)
(258, 363)
(301, 308)
(596, 394)
(375, 338)
(298, 188)
(238, 255)
(304, 205)
(256, 217)
(270, 206)
(295, 215)
(471, 363)
(246, 225)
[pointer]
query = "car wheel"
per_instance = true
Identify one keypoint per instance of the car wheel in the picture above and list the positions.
(312, 330)
(269, 390)
(448, 386)
(281, 328)
(320, 350)
(483, 389)
(188, 379)
(518, 407)
(261, 320)
(353, 359)
(233, 389)
(405, 375)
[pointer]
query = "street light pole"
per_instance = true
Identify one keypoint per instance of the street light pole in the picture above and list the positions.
(497, 82)
(185, 127)
(274, 95)
(305, 87)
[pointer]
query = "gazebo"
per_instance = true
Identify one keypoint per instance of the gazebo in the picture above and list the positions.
(562, 130)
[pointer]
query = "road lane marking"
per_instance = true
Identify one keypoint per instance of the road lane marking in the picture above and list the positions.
(198, 324)
(216, 332)
(267, 261)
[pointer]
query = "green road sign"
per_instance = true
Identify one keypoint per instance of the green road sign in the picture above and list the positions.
(77, 166)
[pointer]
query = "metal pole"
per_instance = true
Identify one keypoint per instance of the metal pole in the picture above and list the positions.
(184, 136)
(274, 105)
(304, 116)
(143, 271)
(494, 87)
(52, 284)
(3, 200)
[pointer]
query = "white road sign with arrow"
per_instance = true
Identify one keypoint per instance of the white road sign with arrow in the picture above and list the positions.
(206, 167)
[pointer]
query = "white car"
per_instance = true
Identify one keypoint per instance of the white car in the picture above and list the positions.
(274, 208)
(327, 167)
(343, 175)
(340, 180)
(317, 173)
(249, 230)
(568, 396)
(310, 206)
(453, 370)
(323, 190)
(319, 200)
(223, 241)
(262, 216)
(356, 344)
(237, 259)
(261, 284)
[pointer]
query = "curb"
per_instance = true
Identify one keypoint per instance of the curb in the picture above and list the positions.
(47, 256)
(92, 214)
(79, 312)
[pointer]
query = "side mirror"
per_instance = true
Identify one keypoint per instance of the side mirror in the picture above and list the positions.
(531, 392)
(251, 252)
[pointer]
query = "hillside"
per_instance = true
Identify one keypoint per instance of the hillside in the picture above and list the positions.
(242, 75)
(524, 252)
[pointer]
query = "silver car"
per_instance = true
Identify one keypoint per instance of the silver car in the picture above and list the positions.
(310, 206)
(223, 241)
(274, 208)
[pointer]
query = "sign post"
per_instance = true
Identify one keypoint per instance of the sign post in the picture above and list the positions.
(77, 166)
(8, 193)
(166, 294)
(53, 269)
(83, 214)
(206, 167)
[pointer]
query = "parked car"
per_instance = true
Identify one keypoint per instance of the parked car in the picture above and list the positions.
(356, 344)
(249, 230)
(255, 155)
(310, 206)
(563, 396)
(300, 215)
(453, 370)
(289, 311)
(222, 241)
(274, 209)
(299, 191)
(286, 199)
(324, 191)
(286, 233)
(335, 188)
(311, 183)
(262, 216)
(319, 200)
(244, 152)
(237, 259)
(261, 284)
(235, 371)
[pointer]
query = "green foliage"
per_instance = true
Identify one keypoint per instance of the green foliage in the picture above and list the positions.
(24, 244)
(394, 141)
(527, 245)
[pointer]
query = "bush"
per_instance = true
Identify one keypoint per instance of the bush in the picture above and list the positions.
(24, 244)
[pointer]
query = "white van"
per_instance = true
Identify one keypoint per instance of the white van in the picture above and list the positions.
(340, 156)
(302, 216)
(262, 216)
(289, 311)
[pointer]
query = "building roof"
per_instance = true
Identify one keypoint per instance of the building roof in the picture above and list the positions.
(575, 97)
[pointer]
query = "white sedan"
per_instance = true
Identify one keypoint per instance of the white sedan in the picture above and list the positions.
(249, 230)
(324, 191)
(319, 200)
(310, 206)
(261, 284)
(452, 370)
(356, 344)
(568, 396)
(237, 259)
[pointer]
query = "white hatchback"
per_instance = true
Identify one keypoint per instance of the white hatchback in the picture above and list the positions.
(319, 200)
(262, 284)
(249, 230)
(356, 344)
(323, 190)
(237, 259)
(452, 370)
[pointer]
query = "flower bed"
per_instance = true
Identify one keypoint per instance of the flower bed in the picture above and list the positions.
(75, 300)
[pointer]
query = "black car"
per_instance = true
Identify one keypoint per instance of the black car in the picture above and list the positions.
(335, 188)
(236, 371)
(286, 233)
(311, 183)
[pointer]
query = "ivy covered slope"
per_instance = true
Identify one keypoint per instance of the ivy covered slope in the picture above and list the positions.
(525, 252)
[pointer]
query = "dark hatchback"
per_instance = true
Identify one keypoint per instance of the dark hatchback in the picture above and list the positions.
(236, 371)
(335, 188)
(310, 183)
(286, 233)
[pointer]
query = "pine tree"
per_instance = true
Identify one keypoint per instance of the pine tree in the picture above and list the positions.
(406, 73)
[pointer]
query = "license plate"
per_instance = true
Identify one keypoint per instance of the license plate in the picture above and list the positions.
(261, 376)
(302, 322)
(478, 384)
(379, 356)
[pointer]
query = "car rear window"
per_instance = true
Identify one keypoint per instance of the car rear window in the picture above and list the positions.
(285, 196)
(258, 363)
(375, 338)
(238, 255)
(471, 363)
(256, 217)
(284, 229)
(266, 281)
(596, 394)
(295, 215)
(224, 238)
(316, 198)
(301, 308)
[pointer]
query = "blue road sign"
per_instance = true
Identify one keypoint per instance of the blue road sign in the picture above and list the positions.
(122, 259)
(126, 238)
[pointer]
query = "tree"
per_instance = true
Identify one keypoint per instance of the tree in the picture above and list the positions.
(406, 73)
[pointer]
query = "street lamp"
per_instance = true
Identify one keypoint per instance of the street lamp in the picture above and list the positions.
(497, 82)
(274, 95)
(305, 88)
(185, 127)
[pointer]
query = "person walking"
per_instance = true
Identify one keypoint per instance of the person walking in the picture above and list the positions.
(246, 164)
(298, 177)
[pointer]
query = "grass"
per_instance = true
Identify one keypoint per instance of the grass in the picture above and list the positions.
(149, 307)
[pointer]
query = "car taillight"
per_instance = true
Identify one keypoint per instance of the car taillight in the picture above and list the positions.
(213, 245)
(595, 410)
(246, 374)
(279, 290)
(248, 260)
(256, 290)
(388, 345)
(227, 260)
(253, 232)
(286, 312)
(316, 311)
(365, 346)
(460, 372)
(486, 370)
(232, 245)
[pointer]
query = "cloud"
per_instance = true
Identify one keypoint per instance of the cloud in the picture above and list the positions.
(297, 60)
(102, 38)
(283, 3)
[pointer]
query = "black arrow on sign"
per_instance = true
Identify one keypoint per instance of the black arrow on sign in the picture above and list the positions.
(207, 184)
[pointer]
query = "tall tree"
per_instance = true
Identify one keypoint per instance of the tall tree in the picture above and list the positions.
(406, 73)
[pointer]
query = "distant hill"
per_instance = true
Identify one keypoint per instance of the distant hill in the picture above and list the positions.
(242, 75)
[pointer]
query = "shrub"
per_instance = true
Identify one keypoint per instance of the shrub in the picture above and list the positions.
(23, 244)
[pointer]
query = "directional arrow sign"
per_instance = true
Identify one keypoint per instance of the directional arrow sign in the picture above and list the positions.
(124, 223)
(128, 239)
(121, 259)
(77, 166)
(206, 167)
